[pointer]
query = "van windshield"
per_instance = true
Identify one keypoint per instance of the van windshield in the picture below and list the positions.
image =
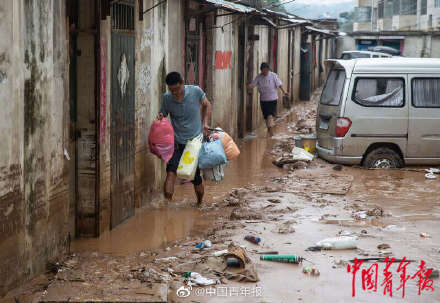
(331, 95)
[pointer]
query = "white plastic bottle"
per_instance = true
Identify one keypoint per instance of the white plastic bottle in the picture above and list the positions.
(338, 243)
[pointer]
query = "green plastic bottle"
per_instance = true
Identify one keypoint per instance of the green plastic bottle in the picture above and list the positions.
(282, 258)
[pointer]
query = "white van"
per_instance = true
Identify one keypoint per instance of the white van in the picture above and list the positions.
(381, 113)
(348, 55)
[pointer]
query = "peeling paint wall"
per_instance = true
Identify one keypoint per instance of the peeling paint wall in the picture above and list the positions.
(297, 64)
(261, 54)
(34, 199)
(282, 63)
(159, 50)
(224, 100)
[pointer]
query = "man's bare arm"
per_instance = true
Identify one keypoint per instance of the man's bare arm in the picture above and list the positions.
(206, 114)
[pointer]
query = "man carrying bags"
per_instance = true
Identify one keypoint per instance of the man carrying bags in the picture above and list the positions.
(190, 113)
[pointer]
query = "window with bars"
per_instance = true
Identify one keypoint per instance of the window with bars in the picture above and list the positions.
(122, 13)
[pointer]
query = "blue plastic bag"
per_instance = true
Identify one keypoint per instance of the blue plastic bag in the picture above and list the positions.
(211, 155)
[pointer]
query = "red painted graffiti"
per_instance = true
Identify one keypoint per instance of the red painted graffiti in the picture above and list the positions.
(223, 60)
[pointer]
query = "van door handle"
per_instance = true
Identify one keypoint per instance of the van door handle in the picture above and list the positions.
(325, 117)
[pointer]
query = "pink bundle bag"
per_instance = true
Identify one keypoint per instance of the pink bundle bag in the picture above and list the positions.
(161, 139)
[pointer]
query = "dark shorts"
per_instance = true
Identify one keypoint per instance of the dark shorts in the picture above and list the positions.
(174, 163)
(269, 108)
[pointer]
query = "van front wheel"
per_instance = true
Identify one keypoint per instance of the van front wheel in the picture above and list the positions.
(384, 158)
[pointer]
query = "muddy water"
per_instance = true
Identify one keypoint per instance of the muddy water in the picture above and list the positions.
(158, 228)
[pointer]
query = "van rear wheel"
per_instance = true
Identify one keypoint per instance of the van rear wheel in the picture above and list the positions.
(384, 158)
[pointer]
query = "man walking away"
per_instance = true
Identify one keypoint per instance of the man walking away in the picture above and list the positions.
(190, 112)
(268, 83)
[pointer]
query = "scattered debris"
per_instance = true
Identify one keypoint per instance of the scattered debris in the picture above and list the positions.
(238, 253)
(285, 228)
(338, 243)
(337, 167)
(204, 244)
(274, 200)
(194, 278)
(166, 259)
(282, 258)
(359, 215)
(240, 213)
(425, 235)
(430, 176)
(375, 212)
(311, 271)
(433, 170)
(252, 239)
(383, 246)
(233, 262)
(219, 253)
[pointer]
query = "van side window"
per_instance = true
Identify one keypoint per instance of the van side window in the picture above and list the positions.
(331, 94)
(375, 56)
(426, 92)
(379, 92)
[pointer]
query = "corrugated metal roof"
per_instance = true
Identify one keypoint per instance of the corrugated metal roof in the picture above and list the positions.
(232, 6)
(322, 31)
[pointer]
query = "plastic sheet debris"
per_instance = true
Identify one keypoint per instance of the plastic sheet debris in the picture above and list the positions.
(300, 154)
(219, 253)
(433, 170)
(204, 244)
(430, 176)
(343, 242)
(194, 278)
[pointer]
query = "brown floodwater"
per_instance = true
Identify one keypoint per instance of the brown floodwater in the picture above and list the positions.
(158, 228)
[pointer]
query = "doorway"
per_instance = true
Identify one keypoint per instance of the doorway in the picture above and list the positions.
(83, 39)
(122, 112)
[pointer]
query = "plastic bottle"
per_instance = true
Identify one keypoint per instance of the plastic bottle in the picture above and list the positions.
(253, 239)
(233, 262)
(282, 258)
(338, 243)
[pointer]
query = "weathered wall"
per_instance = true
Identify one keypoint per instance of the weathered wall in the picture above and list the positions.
(34, 200)
(159, 50)
(261, 54)
(282, 63)
(104, 139)
(224, 101)
(297, 64)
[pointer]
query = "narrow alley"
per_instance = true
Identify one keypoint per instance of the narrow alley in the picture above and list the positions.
(290, 209)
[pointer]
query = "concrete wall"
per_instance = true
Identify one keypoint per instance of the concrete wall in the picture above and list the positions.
(384, 24)
(361, 26)
(224, 97)
(159, 50)
(297, 64)
(282, 63)
(261, 54)
(34, 199)
(404, 22)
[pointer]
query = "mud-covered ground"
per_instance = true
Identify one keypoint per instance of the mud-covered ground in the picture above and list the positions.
(290, 209)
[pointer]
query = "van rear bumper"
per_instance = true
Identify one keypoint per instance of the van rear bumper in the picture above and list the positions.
(330, 155)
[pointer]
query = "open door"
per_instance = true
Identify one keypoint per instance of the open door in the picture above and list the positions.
(83, 75)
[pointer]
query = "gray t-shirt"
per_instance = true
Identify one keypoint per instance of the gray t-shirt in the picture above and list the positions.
(185, 114)
(267, 86)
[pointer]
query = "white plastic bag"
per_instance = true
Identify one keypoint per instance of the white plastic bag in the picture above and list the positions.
(189, 160)
(301, 154)
(338, 243)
